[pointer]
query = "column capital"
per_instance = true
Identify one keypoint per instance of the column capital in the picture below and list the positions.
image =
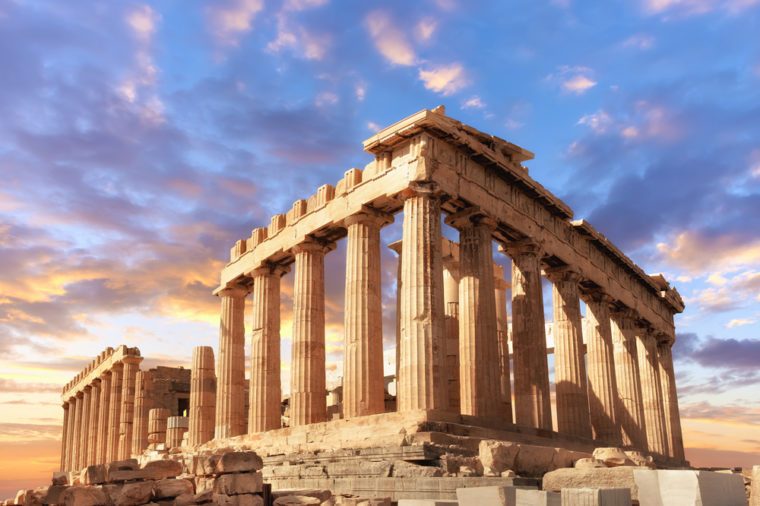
(596, 294)
(369, 215)
(624, 313)
(272, 269)
(566, 273)
(233, 291)
(96, 382)
(665, 338)
(65, 405)
(471, 217)
(131, 359)
(521, 248)
(312, 244)
(79, 395)
(428, 189)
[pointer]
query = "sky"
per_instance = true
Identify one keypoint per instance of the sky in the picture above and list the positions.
(139, 140)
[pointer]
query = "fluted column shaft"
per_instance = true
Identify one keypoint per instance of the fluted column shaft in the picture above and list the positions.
(670, 400)
(127, 416)
(202, 396)
(451, 325)
(396, 246)
(630, 410)
(76, 439)
(651, 391)
(157, 420)
(479, 375)
(422, 346)
(114, 417)
(84, 434)
(502, 334)
(266, 390)
(230, 393)
(65, 436)
(569, 360)
(143, 404)
(602, 385)
(363, 386)
(531, 369)
(104, 414)
(308, 400)
(71, 437)
(94, 428)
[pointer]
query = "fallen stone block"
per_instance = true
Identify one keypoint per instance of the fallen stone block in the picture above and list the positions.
(169, 488)
(237, 500)
(297, 500)
(640, 459)
(134, 494)
(589, 464)
(237, 462)
(239, 483)
(161, 469)
(54, 493)
(534, 461)
(682, 487)
(83, 496)
(126, 475)
(60, 478)
(612, 457)
(93, 475)
(403, 469)
(497, 456)
(608, 477)
(596, 497)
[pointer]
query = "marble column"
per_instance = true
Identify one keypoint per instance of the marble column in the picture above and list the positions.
(202, 396)
(670, 399)
(127, 416)
(65, 437)
(71, 434)
(230, 393)
(157, 419)
(176, 427)
(265, 390)
(84, 434)
(422, 344)
(651, 392)
(569, 359)
(396, 246)
(502, 333)
(451, 314)
(602, 385)
(308, 399)
(143, 404)
(363, 385)
(104, 413)
(94, 428)
(114, 417)
(630, 410)
(479, 375)
(531, 369)
(77, 432)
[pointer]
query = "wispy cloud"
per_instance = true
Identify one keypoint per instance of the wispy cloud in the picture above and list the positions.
(696, 7)
(388, 39)
(230, 20)
(641, 41)
(474, 102)
(573, 79)
(739, 322)
(444, 79)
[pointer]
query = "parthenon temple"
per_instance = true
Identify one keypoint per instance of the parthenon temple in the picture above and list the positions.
(471, 343)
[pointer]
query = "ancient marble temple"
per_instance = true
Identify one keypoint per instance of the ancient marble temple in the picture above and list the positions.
(458, 359)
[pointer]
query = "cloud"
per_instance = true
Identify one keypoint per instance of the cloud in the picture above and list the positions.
(8, 385)
(734, 354)
(641, 41)
(725, 413)
(573, 79)
(599, 122)
(739, 322)
(444, 79)
(696, 7)
(388, 39)
(230, 20)
(474, 102)
(425, 29)
(699, 252)
(143, 20)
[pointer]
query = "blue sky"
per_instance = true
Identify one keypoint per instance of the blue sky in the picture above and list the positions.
(139, 140)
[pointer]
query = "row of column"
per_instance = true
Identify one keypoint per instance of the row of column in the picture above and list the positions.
(98, 420)
(621, 355)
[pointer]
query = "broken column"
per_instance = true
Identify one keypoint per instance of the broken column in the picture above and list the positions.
(157, 418)
(143, 404)
(531, 369)
(422, 352)
(569, 359)
(479, 388)
(230, 393)
(202, 396)
(308, 399)
(176, 426)
(363, 387)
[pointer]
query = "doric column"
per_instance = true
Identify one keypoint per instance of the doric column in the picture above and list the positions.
(531, 369)
(65, 436)
(451, 314)
(127, 416)
(143, 404)
(308, 399)
(363, 386)
(76, 437)
(84, 433)
(104, 414)
(670, 399)
(422, 346)
(114, 416)
(157, 419)
(651, 391)
(630, 410)
(202, 396)
(265, 390)
(479, 387)
(176, 426)
(230, 392)
(602, 386)
(502, 333)
(94, 428)
(396, 246)
(71, 436)
(569, 360)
